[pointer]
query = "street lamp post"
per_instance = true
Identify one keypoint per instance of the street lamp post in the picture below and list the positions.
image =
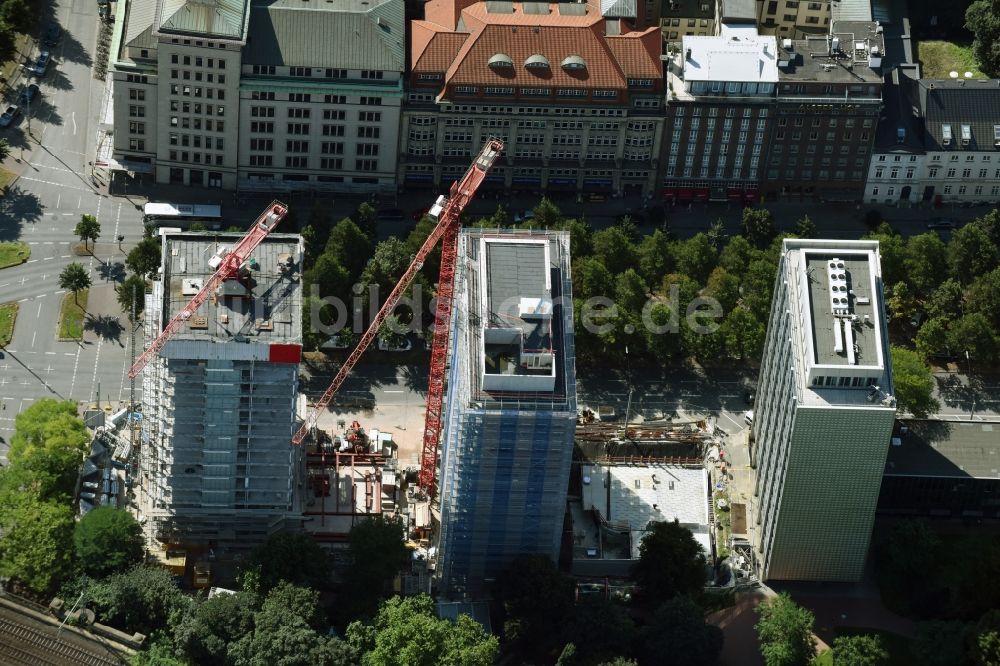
(972, 392)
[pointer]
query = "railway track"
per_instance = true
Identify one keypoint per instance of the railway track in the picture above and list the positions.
(21, 644)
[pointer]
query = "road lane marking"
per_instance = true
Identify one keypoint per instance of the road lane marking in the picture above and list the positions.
(391, 391)
(59, 200)
(73, 118)
(50, 353)
(62, 185)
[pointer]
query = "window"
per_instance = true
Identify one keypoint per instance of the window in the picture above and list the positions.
(261, 160)
(136, 111)
(966, 173)
(298, 128)
(950, 173)
(296, 162)
(137, 144)
(334, 114)
(336, 73)
(371, 101)
(335, 99)
(300, 71)
(256, 94)
(298, 113)
(368, 132)
(137, 128)
(299, 97)
(262, 127)
(262, 144)
(332, 148)
(371, 74)
(366, 150)
(369, 117)
(333, 130)
(137, 94)
(262, 111)
(331, 163)
(366, 165)
(294, 146)
(267, 70)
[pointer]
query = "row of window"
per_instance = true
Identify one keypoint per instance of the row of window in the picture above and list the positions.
(867, 123)
(195, 141)
(198, 61)
(326, 147)
(317, 72)
(306, 113)
(186, 75)
(303, 162)
(536, 92)
(196, 158)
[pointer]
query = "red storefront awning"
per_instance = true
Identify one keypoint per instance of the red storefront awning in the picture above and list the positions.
(685, 193)
(701, 194)
(668, 192)
(734, 194)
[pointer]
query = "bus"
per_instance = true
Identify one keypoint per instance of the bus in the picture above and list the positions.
(182, 215)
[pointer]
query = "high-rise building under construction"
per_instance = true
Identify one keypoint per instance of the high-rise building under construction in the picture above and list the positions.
(219, 399)
(511, 406)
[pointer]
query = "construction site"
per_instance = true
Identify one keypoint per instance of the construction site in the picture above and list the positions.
(224, 451)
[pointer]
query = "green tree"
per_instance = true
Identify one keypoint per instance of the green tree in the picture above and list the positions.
(695, 257)
(591, 278)
(655, 257)
(534, 596)
(615, 249)
(984, 639)
(292, 557)
(785, 632)
(670, 563)
(329, 276)
(599, 629)
(285, 633)
(859, 650)
(74, 278)
(618, 661)
(49, 442)
(581, 237)
(415, 240)
(758, 286)
(36, 543)
(132, 291)
(678, 629)
(349, 245)
(974, 334)
(631, 291)
(932, 338)
(939, 643)
(666, 346)
(310, 245)
(946, 301)
(724, 287)
(387, 265)
(88, 229)
(737, 255)
(971, 253)
(892, 252)
(144, 258)
(984, 297)
(365, 218)
(805, 227)
(547, 214)
(982, 18)
(142, 599)
(377, 553)
(406, 632)
(207, 629)
(19, 15)
(925, 262)
(914, 383)
(108, 540)
(157, 653)
(902, 302)
(4, 144)
(743, 334)
(758, 226)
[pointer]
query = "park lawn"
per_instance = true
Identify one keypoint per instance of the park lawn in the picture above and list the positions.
(938, 58)
(12, 254)
(71, 315)
(8, 314)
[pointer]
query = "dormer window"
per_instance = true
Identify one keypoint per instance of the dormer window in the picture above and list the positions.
(536, 61)
(574, 62)
(966, 134)
(946, 135)
(501, 61)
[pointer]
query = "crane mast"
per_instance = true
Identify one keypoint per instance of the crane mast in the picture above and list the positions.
(226, 267)
(447, 211)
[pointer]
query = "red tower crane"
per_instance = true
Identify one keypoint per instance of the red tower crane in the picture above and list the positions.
(226, 267)
(447, 211)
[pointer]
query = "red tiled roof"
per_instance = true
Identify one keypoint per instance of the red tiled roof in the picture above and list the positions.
(433, 47)
(555, 36)
(638, 53)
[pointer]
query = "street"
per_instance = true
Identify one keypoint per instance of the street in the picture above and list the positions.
(41, 209)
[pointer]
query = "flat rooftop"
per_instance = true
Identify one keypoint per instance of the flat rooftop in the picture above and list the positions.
(839, 336)
(957, 449)
(631, 496)
(263, 305)
(730, 58)
(857, 60)
(855, 296)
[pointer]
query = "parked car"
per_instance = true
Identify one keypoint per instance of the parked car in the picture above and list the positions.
(748, 397)
(41, 64)
(9, 115)
(29, 93)
(524, 216)
(52, 34)
(941, 223)
(390, 215)
(748, 417)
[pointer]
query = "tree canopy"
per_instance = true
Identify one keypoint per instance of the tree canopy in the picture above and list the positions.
(534, 596)
(982, 18)
(859, 650)
(144, 258)
(74, 278)
(914, 383)
(132, 290)
(49, 443)
(671, 563)
(293, 558)
(406, 632)
(678, 629)
(88, 228)
(36, 545)
(377, 555)
(144, 599)
(784, 630)
(108, 540)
